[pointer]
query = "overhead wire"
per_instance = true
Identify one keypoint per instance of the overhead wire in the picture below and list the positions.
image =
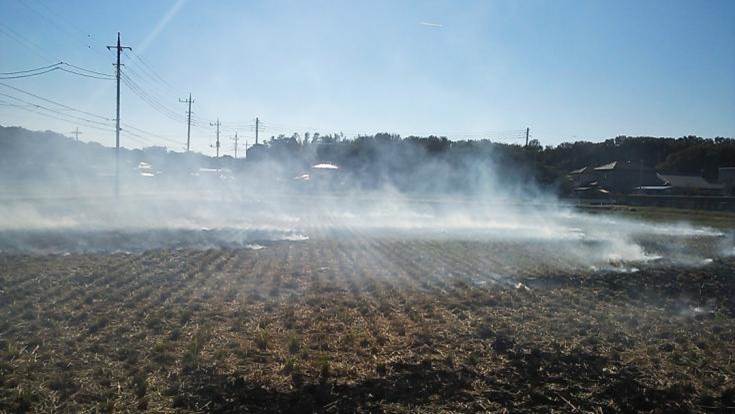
(87, 70)
(158, 89)
(28, 75)
(30, 70)
(80, 71)
(150, 69)
(141, 71)
(54, 102)
(128, 127)
(53, 110)
(85, 75)
(149, 98)
(59, 116)
(153, 102)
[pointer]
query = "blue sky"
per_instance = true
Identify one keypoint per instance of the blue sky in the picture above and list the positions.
(569, 70)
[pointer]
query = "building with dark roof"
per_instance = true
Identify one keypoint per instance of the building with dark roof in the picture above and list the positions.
(690, 185)
(581, 176)
(619, 177)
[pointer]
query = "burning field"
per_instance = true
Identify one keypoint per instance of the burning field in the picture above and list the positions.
(578, 312)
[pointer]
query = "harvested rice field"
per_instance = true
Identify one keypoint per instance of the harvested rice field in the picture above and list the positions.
(360, 321)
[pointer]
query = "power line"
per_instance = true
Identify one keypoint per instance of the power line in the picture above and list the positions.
(85, 75)
(86, 70)
(88, 122)
(54, 102)
(150, 96)
(154, 94)
(59, 66)
(150, 69)
(159, 85)
(60, 118)
(156, 104)
(29, 70)
(53, 110)
(151, 101)
(153, 85)
(30, 74)
(128, 127)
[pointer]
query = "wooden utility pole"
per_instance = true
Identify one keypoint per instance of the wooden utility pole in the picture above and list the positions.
(217, 124)
(119, 50)
(235, 139)
(528, 130)
(256, 130)
(188, 121)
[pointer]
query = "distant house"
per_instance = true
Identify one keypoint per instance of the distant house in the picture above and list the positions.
(690, 185)
(616, 177)
(624, 177)
(581, 176)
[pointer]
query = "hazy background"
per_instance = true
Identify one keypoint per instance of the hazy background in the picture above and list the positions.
(381, 188)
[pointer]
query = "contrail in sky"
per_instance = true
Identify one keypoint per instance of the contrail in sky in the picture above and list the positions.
(160, 25)
(437, 25)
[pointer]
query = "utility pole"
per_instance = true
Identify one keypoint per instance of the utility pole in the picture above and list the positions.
(217, 124)
(119, 50)
(528, 130)
(235, 139)
(188, 121)
(256, 130)
(76, 133)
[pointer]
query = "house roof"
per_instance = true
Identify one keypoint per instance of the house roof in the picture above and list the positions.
(624, 165)
(579, 171)
(654, 187)
(325, 166)
(592, 190)
(607, 167)
(689, 181)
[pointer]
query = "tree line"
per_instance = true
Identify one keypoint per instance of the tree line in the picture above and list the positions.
(393, 156)
(408, 163)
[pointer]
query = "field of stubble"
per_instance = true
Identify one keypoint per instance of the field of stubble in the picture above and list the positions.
(373, 324)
